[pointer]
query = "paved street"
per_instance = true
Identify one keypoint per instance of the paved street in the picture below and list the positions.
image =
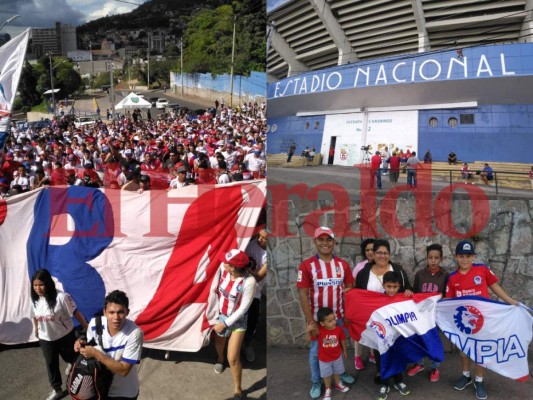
(184, 376)
(288, 377)
(348, 180)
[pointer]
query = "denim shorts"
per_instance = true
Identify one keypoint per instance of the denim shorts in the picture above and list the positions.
(332, 367)
(238, 326)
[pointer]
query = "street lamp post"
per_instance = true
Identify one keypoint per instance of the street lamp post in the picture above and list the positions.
(181, 64)
(52, 81)
(7, 21)
(232, 62)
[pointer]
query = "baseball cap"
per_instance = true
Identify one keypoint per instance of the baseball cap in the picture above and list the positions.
(324, 230)
(464, 247)
(128, 152)
(182, 170)
(237, 258)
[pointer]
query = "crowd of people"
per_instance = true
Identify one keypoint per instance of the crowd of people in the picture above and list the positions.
(131, 153)
(323, 280)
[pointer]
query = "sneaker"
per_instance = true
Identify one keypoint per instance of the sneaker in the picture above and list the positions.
(316, 390)
(56, 395)
(434, 376)
(238, 396)
(219, 368)
(249, 353)
(341, 388)
(462, 383)
(358, 361)
(371, 358)
(481, 393)
(415, 370)
(402, 388)
(382, 394)
(327, 394)
(348, 379)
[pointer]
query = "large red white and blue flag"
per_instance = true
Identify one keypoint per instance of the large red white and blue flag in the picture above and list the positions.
(162, 248)
(401, 328)
(11, 60)
(493, 334)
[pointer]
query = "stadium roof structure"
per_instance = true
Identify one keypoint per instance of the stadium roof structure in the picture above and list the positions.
(309, 35)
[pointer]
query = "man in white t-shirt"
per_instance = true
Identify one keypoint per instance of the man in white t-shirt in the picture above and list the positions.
(122, 340)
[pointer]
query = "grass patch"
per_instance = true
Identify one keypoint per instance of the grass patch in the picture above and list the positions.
(43, 107)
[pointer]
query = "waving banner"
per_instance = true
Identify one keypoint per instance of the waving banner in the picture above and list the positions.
(493, 334)
(11, 60)
(162, 248)
(401, 328)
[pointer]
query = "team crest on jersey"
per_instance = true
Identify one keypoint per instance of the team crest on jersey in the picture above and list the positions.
(468, 319)
(379, 328)
(239, 287)
(338, 270)
(299, 276)
(477, 280)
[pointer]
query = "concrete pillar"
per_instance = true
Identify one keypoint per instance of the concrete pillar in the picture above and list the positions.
(346, 52)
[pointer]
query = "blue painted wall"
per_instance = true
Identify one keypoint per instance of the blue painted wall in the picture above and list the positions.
(301, 130)
(499, 133)
(253, 85)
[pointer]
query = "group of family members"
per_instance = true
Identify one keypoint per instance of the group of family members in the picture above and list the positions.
(240, 278)
(324, 278)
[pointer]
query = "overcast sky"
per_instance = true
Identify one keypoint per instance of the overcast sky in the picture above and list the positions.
(44, 13)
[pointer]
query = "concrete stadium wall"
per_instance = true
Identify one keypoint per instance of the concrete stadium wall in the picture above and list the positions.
(500, 132)
(304, 131)
(505, 244)
(245, 88)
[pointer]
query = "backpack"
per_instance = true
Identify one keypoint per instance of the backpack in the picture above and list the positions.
(89, 379)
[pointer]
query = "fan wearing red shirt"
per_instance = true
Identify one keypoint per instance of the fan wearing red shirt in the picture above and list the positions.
(375, 171)
(473, 280)
(322, 280)
(331, 347)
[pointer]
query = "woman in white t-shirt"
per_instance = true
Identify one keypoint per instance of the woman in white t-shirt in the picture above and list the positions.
(371, 278)
(52, 313)
(236, 288)
(367, 249)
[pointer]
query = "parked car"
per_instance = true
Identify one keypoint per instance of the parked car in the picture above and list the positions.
(161, 104)
(38, 125)
(83, 121)
(153, 101)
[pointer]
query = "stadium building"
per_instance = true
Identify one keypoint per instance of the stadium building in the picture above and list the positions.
(413, 74)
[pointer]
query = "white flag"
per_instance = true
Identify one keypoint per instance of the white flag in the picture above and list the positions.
(493, 334)
(11, 60)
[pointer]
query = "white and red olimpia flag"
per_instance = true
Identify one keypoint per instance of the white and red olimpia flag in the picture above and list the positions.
(401, 328)
(11, 60)
(162, 248)
(493, 334)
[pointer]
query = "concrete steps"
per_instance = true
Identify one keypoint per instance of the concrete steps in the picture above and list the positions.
(280, 160)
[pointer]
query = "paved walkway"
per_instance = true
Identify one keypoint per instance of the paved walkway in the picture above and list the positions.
(289, 377)
(184, 376)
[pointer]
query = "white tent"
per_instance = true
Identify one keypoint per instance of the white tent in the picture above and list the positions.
(133, 100)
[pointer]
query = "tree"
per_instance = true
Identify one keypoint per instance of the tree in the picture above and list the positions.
(28, 88)
(209, 36)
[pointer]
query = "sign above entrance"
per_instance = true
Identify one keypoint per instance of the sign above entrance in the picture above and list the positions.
(473, 63)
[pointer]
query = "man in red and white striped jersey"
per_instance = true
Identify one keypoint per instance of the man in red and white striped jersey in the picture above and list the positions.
(321, 283)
